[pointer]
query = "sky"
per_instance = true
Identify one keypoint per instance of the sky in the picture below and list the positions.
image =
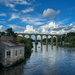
(38, 16)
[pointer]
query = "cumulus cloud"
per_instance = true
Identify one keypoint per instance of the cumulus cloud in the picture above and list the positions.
(50, 13)
(2, 14)
(28, 10)
(48, 28)
(54, 28)
(65, 29)
(2, 28)
(51, 28)
(30, 29)
(12, 3)
(18, 28)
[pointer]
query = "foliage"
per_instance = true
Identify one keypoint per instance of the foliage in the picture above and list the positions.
(27, 44)
(2, 33)
(68, 38)
(10, 32)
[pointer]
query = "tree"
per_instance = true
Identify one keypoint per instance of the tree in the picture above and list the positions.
(27, 44)
(10, 32)
(2, 33)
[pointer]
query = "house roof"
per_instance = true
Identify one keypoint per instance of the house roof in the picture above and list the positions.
(11, 43)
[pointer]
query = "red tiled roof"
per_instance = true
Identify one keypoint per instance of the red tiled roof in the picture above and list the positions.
(12, 43)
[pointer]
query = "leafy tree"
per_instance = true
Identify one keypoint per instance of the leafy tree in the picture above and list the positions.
(71, 34)
(10, 32)
(2, 33)
(27, 44)
(67, 38)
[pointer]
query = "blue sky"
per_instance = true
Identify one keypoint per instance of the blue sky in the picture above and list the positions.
(38, 16)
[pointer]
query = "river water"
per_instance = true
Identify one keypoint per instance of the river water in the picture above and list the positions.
(46, 61)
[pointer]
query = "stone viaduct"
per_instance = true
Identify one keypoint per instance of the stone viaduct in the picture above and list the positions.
(57, 35)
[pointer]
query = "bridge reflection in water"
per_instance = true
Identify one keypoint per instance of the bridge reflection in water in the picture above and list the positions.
(46, 61)
(41, 47)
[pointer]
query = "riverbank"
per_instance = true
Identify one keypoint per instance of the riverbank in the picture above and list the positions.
(62, 44)
(51, 61)
(17, 63)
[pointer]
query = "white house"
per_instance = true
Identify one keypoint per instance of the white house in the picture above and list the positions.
(11, 51)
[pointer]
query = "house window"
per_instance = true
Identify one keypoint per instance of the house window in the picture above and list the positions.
(16, 53)
(8, 53)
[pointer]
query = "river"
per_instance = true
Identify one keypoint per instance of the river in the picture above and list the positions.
(46, 61)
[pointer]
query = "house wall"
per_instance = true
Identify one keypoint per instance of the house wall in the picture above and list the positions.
(9, 60)
(13, 58)
(2, 51)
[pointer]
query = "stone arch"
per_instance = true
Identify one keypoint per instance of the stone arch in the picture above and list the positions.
(20, 35)
(33, 36)
(27, 36)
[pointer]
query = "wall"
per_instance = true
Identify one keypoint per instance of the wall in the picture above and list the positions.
(14, 58)
(2, 51)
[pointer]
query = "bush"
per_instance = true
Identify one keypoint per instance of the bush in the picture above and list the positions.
(27, 44)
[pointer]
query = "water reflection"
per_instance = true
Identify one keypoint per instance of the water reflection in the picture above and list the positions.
(19, 70)
(47, 47)
(41, 47)
(35, 47)
(51, 46)
(46, 60)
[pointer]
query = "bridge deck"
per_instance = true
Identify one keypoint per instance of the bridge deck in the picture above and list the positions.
(39, 34)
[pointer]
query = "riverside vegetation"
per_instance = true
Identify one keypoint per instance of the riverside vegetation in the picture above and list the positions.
(27, 42)
(68, 39)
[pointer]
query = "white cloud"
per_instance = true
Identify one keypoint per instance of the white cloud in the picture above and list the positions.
(2, 28)
(24, 2)
(28, 19)
(33, 20)
(28, 10)
(47, 28)
(14, 16)
(53, 28)
(14, 9)
(15, 27)
(12, 3)
(50, 13)
(30, 29)
(2, 14)
(2, 22)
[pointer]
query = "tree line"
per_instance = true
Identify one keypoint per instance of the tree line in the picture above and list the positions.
(66, 38)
